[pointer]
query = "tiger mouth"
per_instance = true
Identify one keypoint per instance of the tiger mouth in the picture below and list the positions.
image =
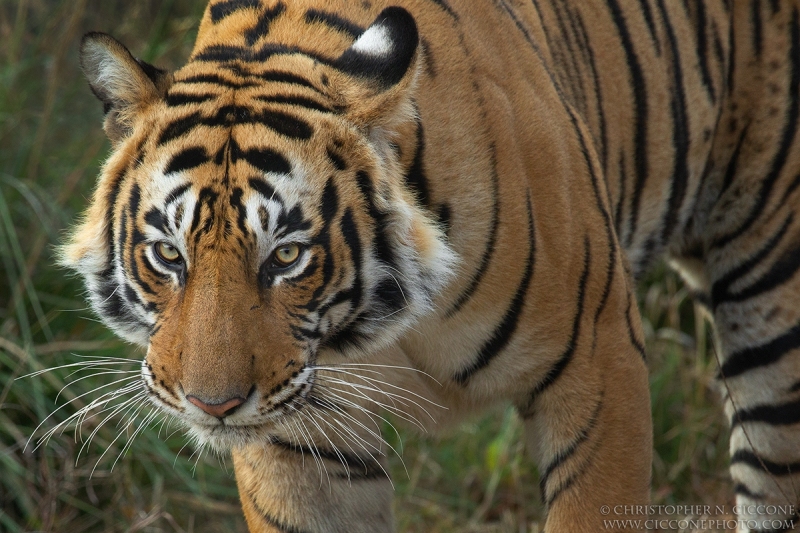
(294, 402)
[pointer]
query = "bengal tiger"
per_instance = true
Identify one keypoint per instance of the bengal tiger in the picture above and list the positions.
(429, 207)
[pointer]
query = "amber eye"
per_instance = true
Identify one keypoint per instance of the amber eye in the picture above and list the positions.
(286, 255)
(167, 253)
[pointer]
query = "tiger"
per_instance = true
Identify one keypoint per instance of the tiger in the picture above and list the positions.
(340, 209)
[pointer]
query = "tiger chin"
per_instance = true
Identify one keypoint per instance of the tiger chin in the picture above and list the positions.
(336, 210)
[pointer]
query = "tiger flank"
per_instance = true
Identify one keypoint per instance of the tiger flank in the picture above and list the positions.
(428, 207)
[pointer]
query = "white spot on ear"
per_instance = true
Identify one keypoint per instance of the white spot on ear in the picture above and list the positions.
(376, 41)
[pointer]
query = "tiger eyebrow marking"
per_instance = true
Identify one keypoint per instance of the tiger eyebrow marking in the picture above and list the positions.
(264, 189)
(176, 193)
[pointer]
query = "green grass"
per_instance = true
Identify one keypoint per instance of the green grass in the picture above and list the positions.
(476, 479)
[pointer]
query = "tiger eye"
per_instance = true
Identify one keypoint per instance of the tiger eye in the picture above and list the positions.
(286, 255)
(167, 253)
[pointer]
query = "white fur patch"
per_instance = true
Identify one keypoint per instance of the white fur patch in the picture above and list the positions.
(376, 41)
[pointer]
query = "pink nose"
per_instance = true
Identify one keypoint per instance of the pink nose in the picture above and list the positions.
(218, 410)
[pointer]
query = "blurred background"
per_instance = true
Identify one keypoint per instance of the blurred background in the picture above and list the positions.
(477, 479)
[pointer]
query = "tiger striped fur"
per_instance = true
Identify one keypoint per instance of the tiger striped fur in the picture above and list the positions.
(432, 206)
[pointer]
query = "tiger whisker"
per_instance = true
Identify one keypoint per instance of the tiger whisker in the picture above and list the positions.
(71, 417)
(390, 408)
(105, 372)
(375, 434)
(378, 365)
(373, 381)
(333, 391)
(134, 409)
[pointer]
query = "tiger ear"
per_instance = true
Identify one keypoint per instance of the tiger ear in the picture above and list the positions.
(123, 83)
(381, 66)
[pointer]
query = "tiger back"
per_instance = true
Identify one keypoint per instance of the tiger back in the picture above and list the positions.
(462, 196)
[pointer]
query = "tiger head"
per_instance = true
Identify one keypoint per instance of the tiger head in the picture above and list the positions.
(255, 216)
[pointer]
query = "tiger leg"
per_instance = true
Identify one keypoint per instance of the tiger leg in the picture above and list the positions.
(323, 471)
(326, 470)
(751, 287)
(590, 429)
(758, 326)
(289, 487)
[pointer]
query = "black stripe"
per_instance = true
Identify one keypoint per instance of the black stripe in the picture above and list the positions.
(564, 454)
(561, 363)
(293, 220)
(187, 159)
(264, 189)
(651, 27)
(333, 21)
(286, 77)
(111, 200)
(607, 222)
(283, 123)
(573, 75)
(597, 91)
(175, 99)
(787, 140)
(241, 210)
(743, 490)
(504, 331)
(776, 469)
(781, 272)
(639, 88)
(263, 159)
(207, 197)
(217, 80)
(176, 193)
(271, 521)
(783, 414)
(223, 9)
(444, 6)
(415, 177)
(637, 344)
(491, 242)
(364, 467)
(733, 163)
(261, 29)
(389, 291)
(230, 115)
(758, 30)
(329, 206)
(225, 53)
(179, 127)
(762, 355)
(621, 196)
(295, 100)
(720, 289)
(336, 159)
(702, 50)
(680, 134)
(156, 219)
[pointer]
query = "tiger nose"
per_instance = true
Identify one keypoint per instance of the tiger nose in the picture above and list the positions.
(218, 410)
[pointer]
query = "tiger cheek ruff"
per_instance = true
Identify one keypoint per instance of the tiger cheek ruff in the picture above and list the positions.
(428, 207)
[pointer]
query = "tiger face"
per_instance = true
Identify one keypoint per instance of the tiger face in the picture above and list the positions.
(252, 220)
